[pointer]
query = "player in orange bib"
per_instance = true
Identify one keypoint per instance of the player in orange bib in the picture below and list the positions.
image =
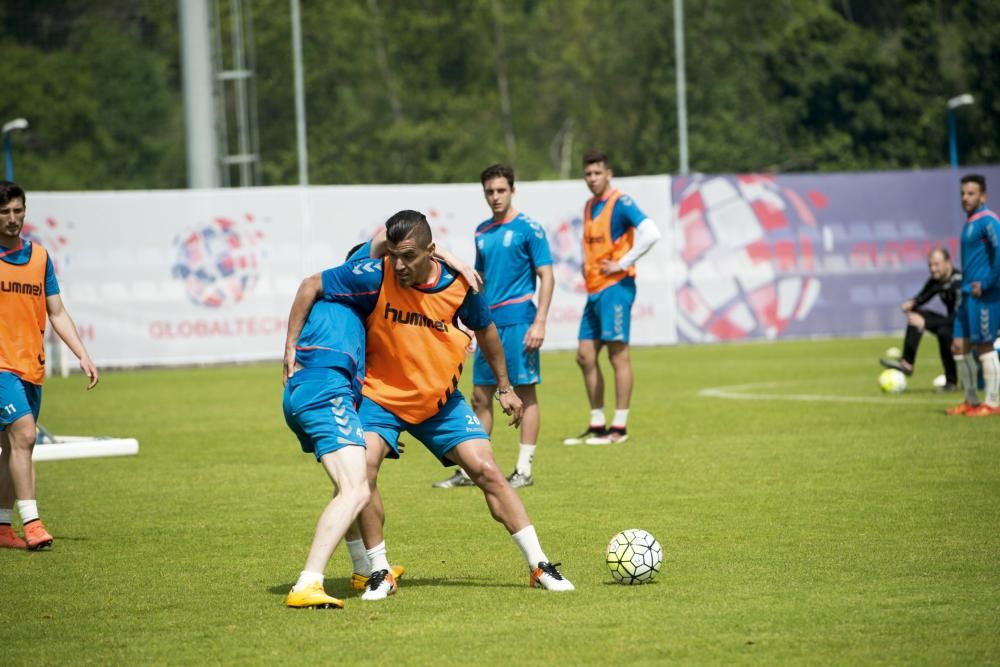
(615, 235)
(29, 292)
(415, 352)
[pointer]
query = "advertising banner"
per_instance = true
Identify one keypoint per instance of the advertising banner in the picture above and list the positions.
(206, 276)
(763, 256)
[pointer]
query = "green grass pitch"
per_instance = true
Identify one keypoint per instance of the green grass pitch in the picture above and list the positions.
(846, 528)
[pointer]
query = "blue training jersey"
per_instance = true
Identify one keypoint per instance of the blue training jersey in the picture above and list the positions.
(981, 253)
(20, 256)
(508, 254)
(333, 337)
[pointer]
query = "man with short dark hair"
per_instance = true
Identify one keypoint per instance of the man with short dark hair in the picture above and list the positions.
(410, 302)
(29, 292)
(932, 309)
(978, 315)
(615, 235)
(512, 253)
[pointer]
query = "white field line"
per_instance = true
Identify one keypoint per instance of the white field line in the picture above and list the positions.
(748, 392)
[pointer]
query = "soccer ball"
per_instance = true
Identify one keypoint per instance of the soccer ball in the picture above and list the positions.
(634, 557)
(940, 381)
(892, 381)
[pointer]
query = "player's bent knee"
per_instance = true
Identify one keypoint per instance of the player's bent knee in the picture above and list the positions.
(358, 496)
(21, 434)
(486, 474)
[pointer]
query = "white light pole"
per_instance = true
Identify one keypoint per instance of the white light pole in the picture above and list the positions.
(8, 149)
(954, 103)
(682, 119)
(300, 95)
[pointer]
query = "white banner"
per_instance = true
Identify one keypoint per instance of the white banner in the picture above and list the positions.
(205, 276)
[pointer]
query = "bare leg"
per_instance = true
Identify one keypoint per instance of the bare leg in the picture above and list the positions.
(618, 354)
(6, 483)
(347, 470)
(372, 517)
(21, 437)
(482, 405)
(532, 417)
(354, 530)
(476, 458)
(593, 380)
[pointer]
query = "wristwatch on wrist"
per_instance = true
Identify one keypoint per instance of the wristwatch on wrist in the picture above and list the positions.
(500, 392)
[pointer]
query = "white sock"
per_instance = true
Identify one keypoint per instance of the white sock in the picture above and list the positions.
(28, 509)
(527, 542)
(991, 378)
(597, 417)
(378, 558)
(621, 418)
(7, 516)
(967, 377)
(524, 457)
(306, 579)
(359, 556)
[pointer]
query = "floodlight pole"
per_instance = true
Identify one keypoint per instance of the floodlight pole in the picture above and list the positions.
(8, 146)
(300, 96)
(682, 123)
(954, 103)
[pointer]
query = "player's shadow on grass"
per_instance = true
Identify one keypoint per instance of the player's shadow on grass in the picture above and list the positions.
(648, 583)
(342, 584)
(70, 538)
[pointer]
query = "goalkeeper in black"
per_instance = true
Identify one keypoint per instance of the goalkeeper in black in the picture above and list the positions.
(933, 309)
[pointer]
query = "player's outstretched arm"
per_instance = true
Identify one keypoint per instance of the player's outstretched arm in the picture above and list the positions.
(65, 328)
(310, 290)
(492, 348)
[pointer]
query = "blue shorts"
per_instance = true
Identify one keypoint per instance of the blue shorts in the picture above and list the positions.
(319, 408)
(522, 365)
(977, 320)
(608, 314)
(18, 398)
(451, 426)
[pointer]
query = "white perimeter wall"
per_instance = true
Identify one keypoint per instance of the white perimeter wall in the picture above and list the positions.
(120, 257)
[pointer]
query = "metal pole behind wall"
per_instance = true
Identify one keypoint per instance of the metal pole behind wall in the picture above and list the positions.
(300, 96)
(199, 114)
(682, 121)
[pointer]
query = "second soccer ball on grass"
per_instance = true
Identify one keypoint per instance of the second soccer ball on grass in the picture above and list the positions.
(892, 381)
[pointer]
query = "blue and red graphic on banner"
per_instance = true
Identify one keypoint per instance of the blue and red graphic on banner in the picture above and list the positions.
(764, 256)
(218, 261)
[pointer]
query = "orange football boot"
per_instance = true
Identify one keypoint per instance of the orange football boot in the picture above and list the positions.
(983, 410)
(11, 540)
(961, 408)
(36, 536)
